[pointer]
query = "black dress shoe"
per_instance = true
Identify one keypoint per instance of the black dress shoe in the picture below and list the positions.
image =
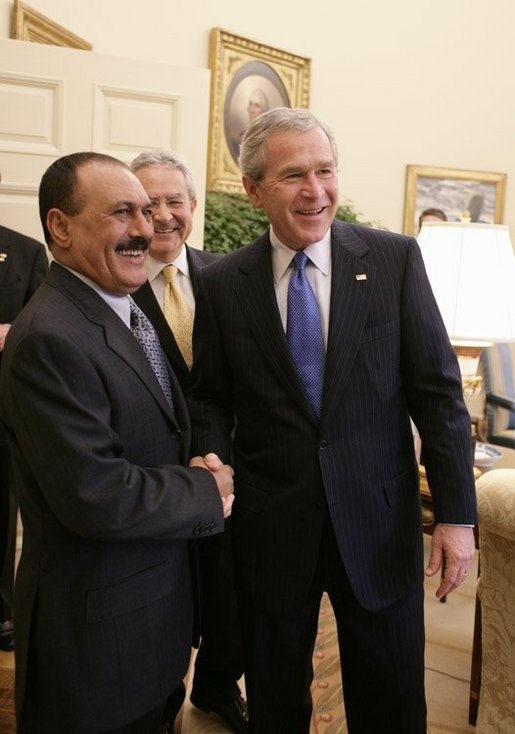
(235, 712)
(6, 636)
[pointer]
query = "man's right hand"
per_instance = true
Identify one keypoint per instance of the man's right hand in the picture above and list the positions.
(223, 476)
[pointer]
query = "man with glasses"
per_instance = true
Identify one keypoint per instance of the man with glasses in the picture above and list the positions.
(168, 299)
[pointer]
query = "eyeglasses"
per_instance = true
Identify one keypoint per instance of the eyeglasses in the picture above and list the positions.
(173, 205)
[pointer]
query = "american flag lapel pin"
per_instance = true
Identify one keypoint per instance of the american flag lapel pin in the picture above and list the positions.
(361, 276)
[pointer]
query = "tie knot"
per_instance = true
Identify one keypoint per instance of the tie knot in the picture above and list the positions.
(135, 313)
(169, 273)
(300, 261)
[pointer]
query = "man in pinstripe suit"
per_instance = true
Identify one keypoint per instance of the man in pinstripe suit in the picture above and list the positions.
(331, 503)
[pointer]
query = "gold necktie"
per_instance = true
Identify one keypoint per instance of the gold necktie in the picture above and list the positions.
(178, 314)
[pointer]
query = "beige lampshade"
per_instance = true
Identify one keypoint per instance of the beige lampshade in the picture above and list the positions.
(471, 268)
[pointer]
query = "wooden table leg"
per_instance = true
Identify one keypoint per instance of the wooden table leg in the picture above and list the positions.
(475, 670)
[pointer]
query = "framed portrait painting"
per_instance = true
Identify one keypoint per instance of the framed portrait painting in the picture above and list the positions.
(478, 195)
(247, 78)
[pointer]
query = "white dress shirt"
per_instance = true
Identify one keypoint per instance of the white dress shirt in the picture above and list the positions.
(119, 304)
(183, 280)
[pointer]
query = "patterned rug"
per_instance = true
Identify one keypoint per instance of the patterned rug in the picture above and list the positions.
(328, 713)
(326, 690)
(7, 701)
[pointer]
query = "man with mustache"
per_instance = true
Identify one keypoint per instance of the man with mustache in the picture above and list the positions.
(99, 435)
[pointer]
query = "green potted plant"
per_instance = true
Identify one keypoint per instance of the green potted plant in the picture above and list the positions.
(231, 221)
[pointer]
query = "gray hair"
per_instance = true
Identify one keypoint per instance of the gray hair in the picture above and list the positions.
(161, 157)
(252, 157)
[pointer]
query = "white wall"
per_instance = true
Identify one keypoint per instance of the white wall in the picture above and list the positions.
(400, 82)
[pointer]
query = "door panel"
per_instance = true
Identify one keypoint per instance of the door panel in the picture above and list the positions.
(55, 101)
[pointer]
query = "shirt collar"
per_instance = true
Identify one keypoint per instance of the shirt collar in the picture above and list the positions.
(119, 304)
(319, 253)
(154, 266)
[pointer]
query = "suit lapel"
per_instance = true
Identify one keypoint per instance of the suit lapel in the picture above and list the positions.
(148, 303)
(197, 259)
(351, 291)
(122, 342)
(256, 293)
(117, 335)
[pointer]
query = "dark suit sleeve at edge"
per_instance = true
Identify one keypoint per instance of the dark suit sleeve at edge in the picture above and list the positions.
(38, 272)
(209, 401)
(432, 385)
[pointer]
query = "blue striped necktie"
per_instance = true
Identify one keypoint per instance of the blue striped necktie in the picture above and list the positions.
(146, 335)
(304, 332)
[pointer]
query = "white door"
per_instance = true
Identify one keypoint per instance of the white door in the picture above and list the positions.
(55, 101)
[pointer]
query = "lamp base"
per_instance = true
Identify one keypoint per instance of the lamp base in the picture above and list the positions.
(468, 360)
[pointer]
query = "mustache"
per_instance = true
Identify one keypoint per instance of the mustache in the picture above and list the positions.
(134, 243)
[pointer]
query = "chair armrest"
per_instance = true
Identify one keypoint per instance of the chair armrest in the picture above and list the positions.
(496, 503)
(503, 401)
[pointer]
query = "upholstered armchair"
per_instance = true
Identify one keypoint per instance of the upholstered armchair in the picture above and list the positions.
(498, 370)
(496, 590)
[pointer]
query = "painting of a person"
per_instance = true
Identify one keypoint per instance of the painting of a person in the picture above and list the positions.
(258, 102)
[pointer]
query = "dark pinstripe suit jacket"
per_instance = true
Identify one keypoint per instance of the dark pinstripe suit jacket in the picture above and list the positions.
(147, 301)
(388, 357)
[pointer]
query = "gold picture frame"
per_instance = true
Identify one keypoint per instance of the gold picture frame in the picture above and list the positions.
(29, 25)
(246, 77)
(454, 191)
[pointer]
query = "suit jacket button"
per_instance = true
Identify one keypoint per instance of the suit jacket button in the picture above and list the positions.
(323, 444)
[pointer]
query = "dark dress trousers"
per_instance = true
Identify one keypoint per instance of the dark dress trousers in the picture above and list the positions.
(218, 663)
(345, 485)
(23, 265)
(103, 597)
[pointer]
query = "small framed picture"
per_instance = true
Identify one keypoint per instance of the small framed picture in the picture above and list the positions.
(475, 195)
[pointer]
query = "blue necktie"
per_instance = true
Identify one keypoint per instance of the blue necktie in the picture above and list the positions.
(304, 332)
(148, 340)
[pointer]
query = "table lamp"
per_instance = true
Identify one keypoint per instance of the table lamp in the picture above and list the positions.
(471, 268)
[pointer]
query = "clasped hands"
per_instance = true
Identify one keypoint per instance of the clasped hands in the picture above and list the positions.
(223, 476)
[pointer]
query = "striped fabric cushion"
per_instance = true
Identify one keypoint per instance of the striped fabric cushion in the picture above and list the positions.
(499, 379)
